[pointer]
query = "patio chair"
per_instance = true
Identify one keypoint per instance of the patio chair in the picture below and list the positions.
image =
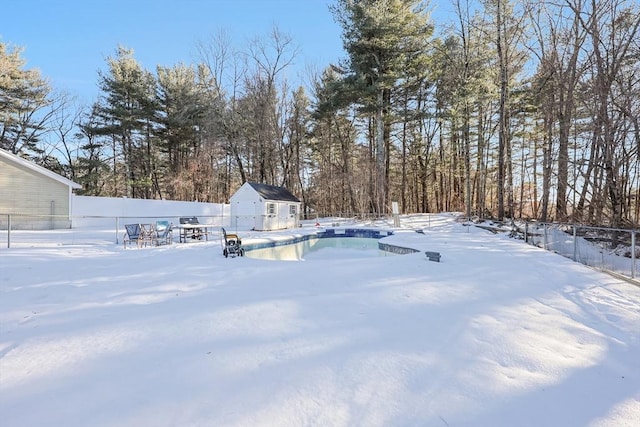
(132, 234)
(140, 234)
(164, 233)
(147, 235)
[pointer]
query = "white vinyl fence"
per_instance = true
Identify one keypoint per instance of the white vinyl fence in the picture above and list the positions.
(102, 219)
(91, 212)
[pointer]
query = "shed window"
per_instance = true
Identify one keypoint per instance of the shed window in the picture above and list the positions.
(271, 208)
(293, 209)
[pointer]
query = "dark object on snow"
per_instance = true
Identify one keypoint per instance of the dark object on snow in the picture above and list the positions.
(232, 245)
(433, 256)
(189, 220)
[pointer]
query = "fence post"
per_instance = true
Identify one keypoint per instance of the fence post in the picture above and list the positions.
(526, 232)
(575, 243)
(633, 254)
(117, 227)
(544, 241)
(8, 231)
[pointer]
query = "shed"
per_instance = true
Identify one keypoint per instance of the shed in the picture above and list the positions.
(35, 197)
(264, 207)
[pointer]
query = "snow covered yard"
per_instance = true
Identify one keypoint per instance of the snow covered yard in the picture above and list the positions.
(497, 334)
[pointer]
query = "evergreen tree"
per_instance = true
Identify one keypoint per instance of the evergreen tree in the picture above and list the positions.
(93, 170)
(126, 114)
(181, 125)
(25, 100)
(380, 37)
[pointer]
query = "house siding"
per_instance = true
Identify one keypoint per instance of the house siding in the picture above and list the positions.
(35, 201)
(249, 210)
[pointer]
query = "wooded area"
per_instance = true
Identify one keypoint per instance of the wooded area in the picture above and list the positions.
(515, 110)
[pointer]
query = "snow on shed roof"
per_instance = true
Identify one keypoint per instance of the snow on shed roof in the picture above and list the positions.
(37, 168)
(272, 192)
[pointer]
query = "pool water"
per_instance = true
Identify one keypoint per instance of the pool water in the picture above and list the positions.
(324, 248)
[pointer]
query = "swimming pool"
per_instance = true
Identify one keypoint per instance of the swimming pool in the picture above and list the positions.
(321, 248)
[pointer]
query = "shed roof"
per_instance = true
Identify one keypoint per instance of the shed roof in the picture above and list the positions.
(272, 192)
(36, 168)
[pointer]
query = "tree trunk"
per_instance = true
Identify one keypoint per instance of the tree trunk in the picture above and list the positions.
(502, 111)
(380, 157)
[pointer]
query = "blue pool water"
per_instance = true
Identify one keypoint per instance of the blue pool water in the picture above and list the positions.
(321, 248)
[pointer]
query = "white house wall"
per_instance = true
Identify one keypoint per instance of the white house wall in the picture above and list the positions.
(35, 201)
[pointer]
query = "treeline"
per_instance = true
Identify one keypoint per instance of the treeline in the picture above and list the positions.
(511, 110)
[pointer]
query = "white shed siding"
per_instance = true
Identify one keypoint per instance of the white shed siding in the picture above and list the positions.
(244, 214)
(291, 220)
(245, 208)
(249, 210)
(23, 191)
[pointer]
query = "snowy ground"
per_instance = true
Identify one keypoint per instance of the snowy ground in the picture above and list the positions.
(497, 334)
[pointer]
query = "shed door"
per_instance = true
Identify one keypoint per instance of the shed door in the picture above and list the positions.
(270, 217)
(244, 215)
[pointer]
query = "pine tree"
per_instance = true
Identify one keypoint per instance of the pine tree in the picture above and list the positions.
(126, 114)
(25, 98)
(380, 37)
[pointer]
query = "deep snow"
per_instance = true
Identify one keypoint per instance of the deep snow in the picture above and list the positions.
(497, 334)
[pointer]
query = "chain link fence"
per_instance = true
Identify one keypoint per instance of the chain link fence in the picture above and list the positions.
(609, 249)
(347, 216)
